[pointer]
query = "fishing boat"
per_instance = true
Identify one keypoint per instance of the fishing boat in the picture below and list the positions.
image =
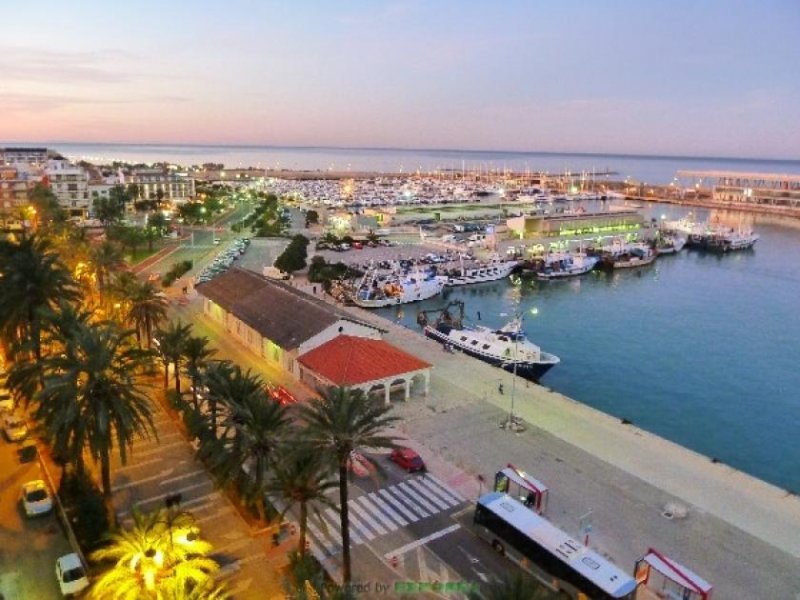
(507, 347)
(622, 255)
(479, 273)
(730, 240)
(669, 244)
(560, 265)
(377, 289)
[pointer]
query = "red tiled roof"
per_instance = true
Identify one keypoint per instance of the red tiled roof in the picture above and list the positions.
(348, 360)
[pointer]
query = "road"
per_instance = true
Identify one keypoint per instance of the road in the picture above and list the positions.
(28, 547)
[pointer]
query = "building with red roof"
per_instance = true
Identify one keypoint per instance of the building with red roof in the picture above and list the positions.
(372, 365)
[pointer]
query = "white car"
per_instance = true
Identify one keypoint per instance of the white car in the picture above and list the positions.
(15, 428)
(71, 574)
(36, 498)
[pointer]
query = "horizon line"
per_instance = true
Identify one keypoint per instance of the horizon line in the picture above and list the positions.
(408, 149)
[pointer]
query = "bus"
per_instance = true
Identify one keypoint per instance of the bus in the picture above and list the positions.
(548, 553)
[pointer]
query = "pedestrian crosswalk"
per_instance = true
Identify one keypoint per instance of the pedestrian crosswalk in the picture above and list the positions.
(382, 512)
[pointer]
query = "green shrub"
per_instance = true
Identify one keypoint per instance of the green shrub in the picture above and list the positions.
(85, 508)
(178, 270)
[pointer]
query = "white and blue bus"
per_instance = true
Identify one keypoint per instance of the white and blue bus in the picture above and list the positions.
(548, 553)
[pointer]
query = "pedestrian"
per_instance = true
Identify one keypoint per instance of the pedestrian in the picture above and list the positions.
(500, 388)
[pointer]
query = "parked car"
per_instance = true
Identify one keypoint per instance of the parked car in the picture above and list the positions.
(15, 428)
(27, 451)
(407, 459)
(280, 394)
(36, 499)
(71, 574)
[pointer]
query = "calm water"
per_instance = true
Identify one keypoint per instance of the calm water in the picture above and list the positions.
(698, 348)
(649, 169)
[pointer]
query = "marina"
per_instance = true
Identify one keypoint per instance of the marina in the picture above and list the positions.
(657, 346)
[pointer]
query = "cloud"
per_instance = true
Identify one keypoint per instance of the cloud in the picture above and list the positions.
(34, 103)
(48, 66)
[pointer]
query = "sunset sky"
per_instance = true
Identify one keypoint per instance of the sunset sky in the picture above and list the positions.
(709, 77)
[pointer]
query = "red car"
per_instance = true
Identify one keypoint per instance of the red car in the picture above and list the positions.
(407, 459)
(280, 395)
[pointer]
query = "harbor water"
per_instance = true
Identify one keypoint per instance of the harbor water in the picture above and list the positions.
(698, 348)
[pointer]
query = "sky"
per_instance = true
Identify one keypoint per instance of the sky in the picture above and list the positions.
(699, 77)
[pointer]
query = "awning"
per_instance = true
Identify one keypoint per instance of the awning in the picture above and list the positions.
(677, 572)
(522, 479)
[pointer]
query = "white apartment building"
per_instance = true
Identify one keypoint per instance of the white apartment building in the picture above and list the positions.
(70, 184)
(174, 186)
(27, 156)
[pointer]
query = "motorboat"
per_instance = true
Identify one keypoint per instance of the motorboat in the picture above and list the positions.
(560, 265)
(507, 347)
(376, 289)
(479, 273)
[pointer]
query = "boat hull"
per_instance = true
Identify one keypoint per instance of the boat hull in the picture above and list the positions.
(428, 290)
(532, 371)
(480, 275)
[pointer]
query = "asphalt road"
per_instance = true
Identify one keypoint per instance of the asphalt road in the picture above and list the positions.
(29, 547)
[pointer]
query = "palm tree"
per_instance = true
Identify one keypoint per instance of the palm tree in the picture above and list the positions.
(32, 278)
(106, 258)
(253, 427)
(161, 556)
(196, 353)
(217, 378)
(93, 398)
(59, 328)
(301, 477)
(172, 342)
(147, 307)
(338, 422)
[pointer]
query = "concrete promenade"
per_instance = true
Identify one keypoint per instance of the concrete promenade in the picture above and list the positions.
(740, 533)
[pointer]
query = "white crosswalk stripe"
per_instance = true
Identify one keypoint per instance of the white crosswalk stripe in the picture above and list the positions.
(332, 516)
(381, 512)
(437, 491)
(408, 500)
(390, 500)
(366, 517)
(406, 487)
(370, 502)
(426, 493)
(444, 486)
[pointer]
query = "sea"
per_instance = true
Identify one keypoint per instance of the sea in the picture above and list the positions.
(698, 348)
(657, 170)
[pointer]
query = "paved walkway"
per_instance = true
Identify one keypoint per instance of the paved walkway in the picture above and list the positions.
(251, 567)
